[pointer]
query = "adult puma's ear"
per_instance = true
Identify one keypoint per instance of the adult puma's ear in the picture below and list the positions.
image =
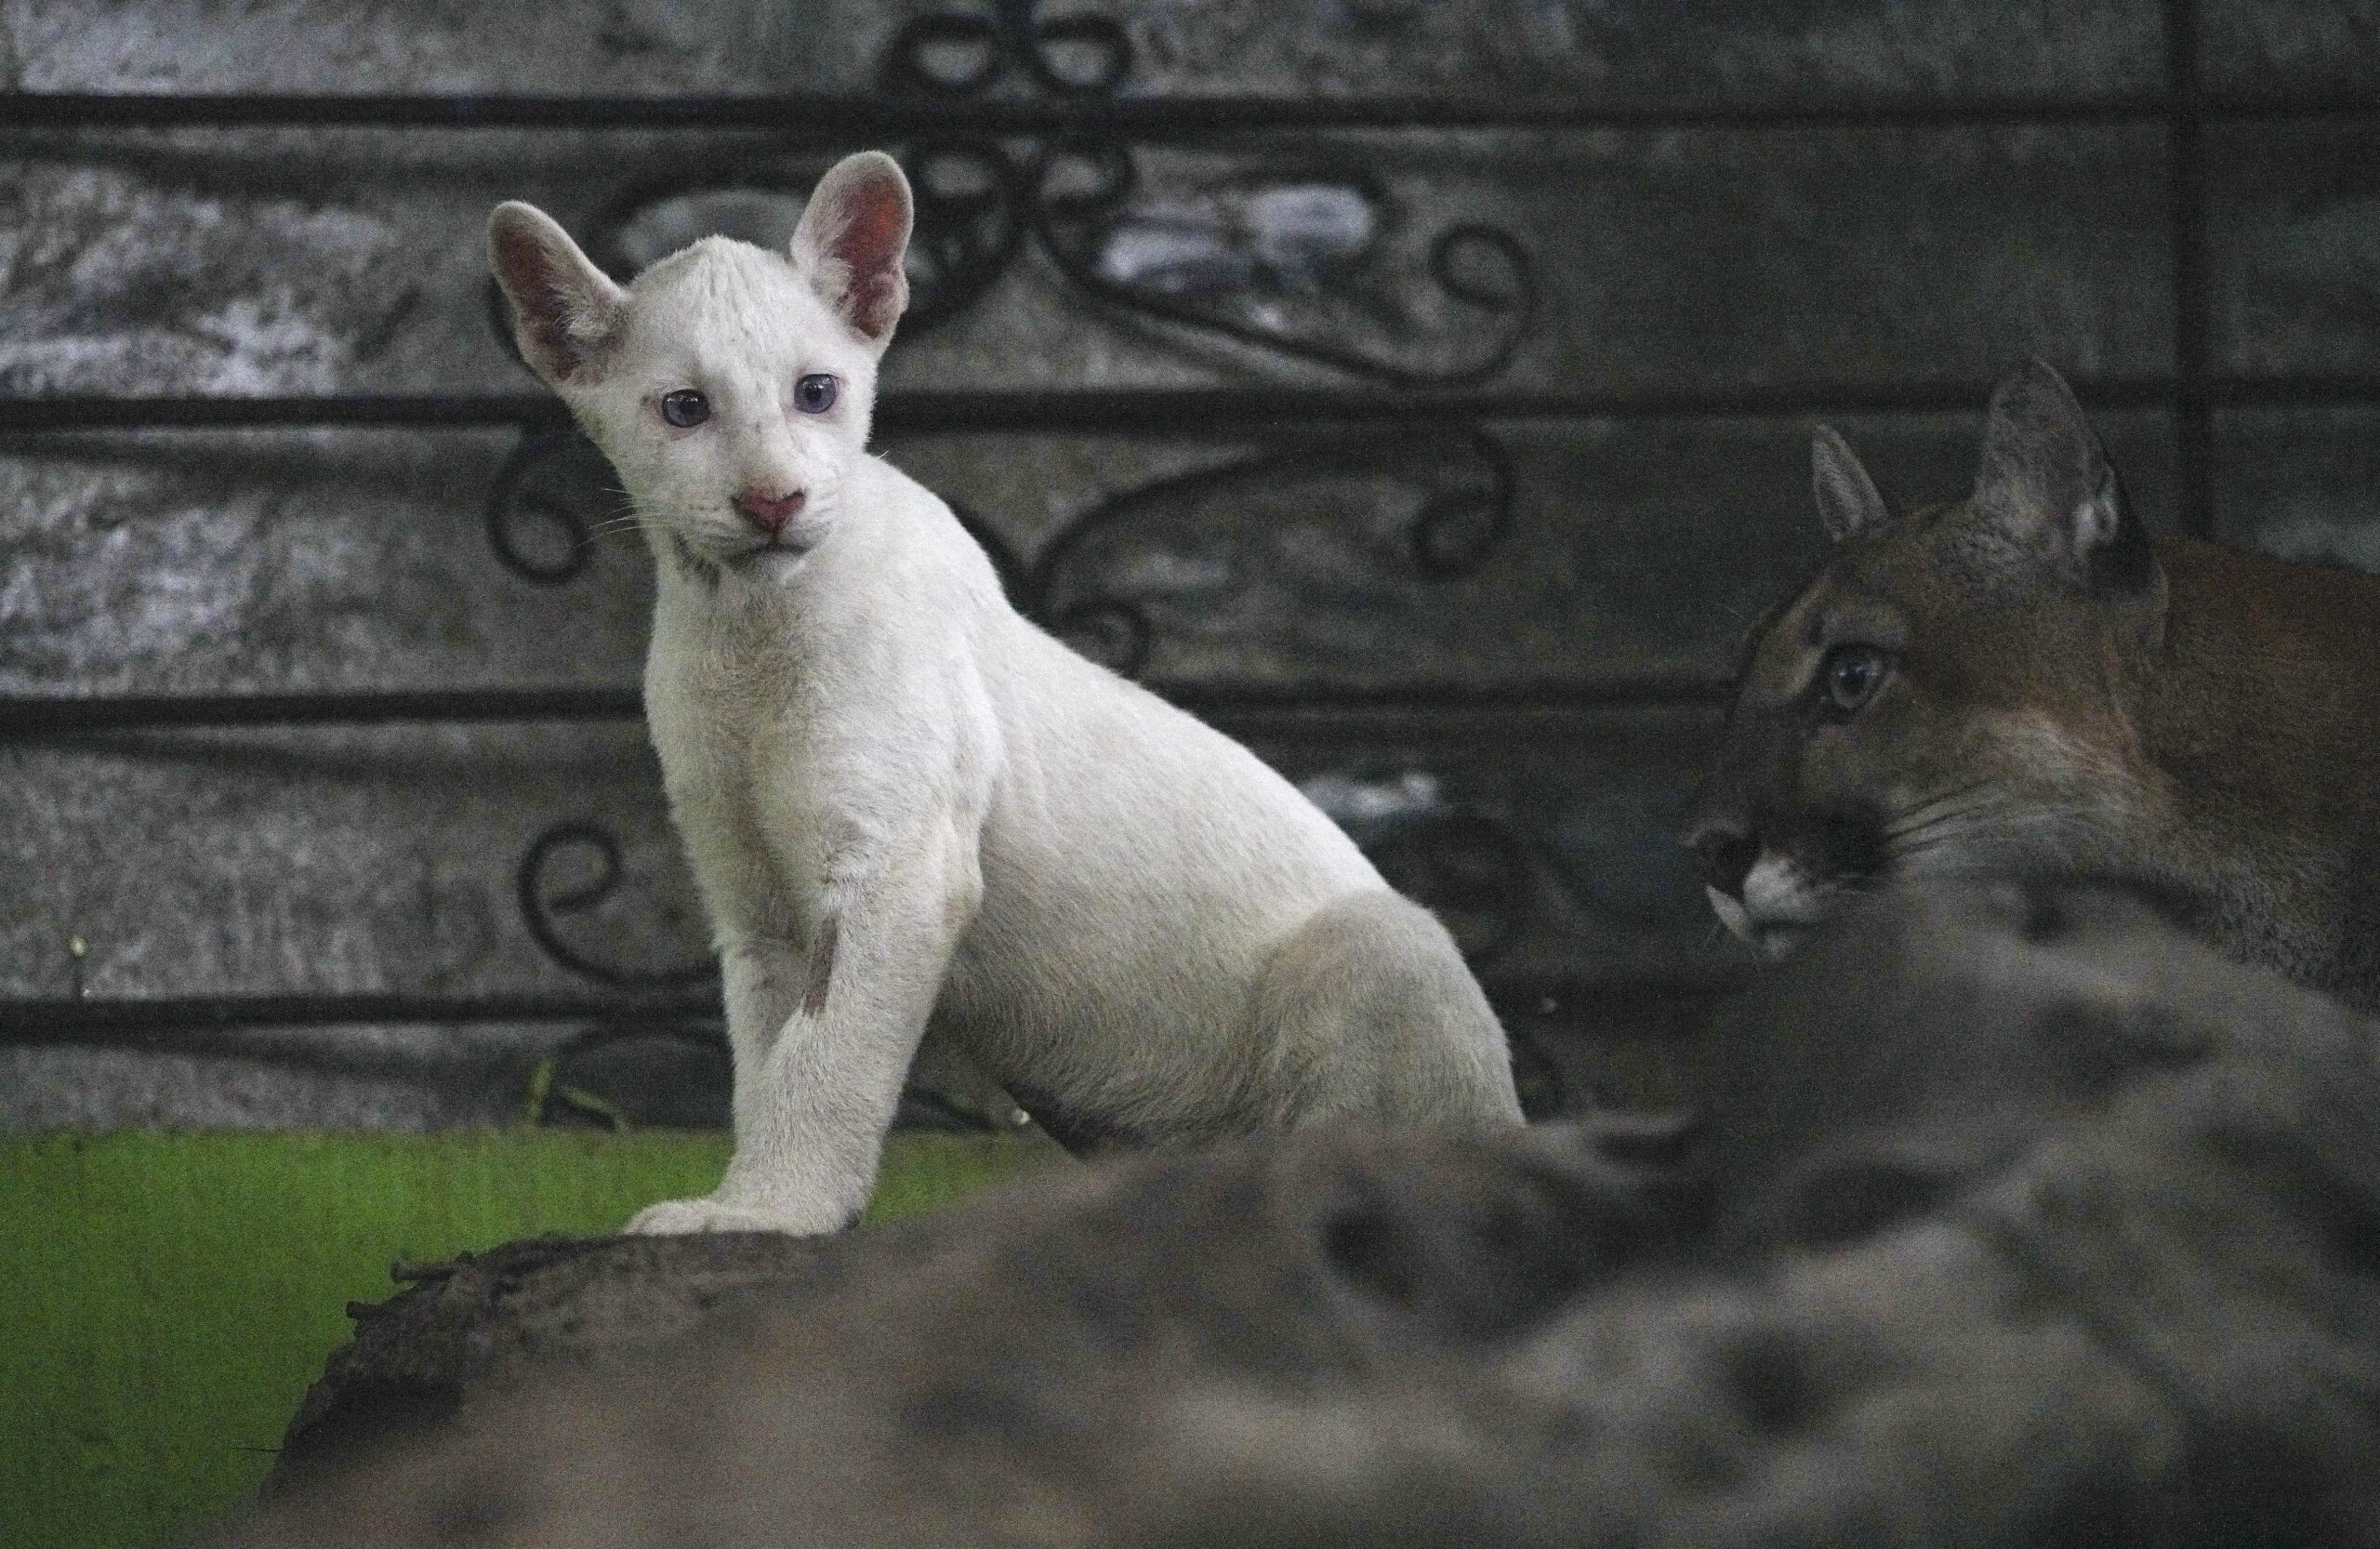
(565, 309)
(1849, 503)
(2046, 491)
(852, 237)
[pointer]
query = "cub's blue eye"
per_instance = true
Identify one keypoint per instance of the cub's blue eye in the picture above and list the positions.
(685, 407)
(815, 394)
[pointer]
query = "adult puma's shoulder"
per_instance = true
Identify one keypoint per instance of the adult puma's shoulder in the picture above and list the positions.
(2026, 680)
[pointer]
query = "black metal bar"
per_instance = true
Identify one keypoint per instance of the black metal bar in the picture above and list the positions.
(151, 1023)
(27, 715)
(164, 1025)
(1239, 707)
(1194, 411)
(40, 416)
(2185, 156)
(832, 119)
(1433, 709)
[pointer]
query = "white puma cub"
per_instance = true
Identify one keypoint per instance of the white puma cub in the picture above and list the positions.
(902, 801)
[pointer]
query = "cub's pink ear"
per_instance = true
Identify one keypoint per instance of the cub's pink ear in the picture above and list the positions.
(851, 240)
(565, 309)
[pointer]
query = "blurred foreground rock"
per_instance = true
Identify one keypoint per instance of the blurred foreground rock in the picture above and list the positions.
(2011, 1218)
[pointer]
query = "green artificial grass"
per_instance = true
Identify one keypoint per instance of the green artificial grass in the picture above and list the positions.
(166, 1298)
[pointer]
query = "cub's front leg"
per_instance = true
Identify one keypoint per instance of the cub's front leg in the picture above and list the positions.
(823, 1035)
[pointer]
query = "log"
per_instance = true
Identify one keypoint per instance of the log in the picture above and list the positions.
(467, 1329)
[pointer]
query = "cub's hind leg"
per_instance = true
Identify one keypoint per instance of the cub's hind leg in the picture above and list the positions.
(1367, 1008)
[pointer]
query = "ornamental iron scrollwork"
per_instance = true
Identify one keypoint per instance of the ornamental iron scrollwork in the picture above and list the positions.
(543, 514)
(967, 54)
(1308, 264)
(969, 226)
(540, 902)
(1423, 509)
(1308, 539)
(1316, 264)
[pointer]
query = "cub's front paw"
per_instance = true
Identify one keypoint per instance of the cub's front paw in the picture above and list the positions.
(674, 1217)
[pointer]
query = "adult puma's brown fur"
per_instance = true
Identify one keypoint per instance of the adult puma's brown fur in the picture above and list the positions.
(2026, 680)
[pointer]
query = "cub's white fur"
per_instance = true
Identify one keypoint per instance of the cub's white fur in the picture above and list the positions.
(903, 801)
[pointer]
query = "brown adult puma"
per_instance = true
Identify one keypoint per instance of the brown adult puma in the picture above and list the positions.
(2026, 680)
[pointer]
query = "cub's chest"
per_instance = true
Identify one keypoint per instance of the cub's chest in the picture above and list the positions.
(833, 710)
(722, 741)
(721, 708)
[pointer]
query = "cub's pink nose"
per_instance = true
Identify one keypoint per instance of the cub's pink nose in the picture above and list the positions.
(768, 512)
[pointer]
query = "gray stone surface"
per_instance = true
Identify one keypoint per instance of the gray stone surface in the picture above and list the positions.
(225, 562)
(1726, 53)
(451, 1077)
(2323, 46)
(2302, 484)
(331, 863)
(267, 262)
(593, 47)
(1608, 53)
(2294, 246)
(268, 560)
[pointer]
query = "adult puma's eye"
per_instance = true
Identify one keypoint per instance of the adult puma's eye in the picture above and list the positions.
(684, 408)
(1852, 675)
(815, 394)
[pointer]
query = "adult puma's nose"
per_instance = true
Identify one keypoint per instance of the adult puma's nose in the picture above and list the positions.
(1722, 856)
(768, 512)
